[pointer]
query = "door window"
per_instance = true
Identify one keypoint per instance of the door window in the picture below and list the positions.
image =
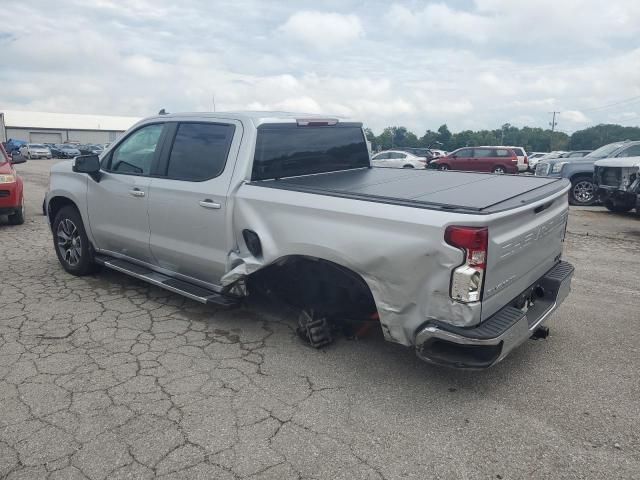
(135, 154)
(381, 156)
(502, 152)
(397, 155)
(199, 151)
(482, 152)
(632, 151)
(464, 153)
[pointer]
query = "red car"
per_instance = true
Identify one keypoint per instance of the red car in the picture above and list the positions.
(11, 193)
(479, 159)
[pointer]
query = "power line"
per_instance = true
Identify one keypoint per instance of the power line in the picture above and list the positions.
(620, 102)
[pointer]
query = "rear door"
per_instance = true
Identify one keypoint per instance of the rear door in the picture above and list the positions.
(483, 160)
(188, 208)
(398, 159)
(381, 159)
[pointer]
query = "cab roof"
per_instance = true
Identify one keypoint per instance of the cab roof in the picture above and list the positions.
(255, 117)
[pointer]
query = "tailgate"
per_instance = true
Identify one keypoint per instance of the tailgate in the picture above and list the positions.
(523, 245)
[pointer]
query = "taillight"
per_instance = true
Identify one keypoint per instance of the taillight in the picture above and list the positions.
(526, 160)
(514, 159)
(467, 279)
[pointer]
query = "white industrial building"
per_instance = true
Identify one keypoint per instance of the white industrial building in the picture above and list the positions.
(44, 127)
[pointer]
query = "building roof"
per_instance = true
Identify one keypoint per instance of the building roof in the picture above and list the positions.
(66, 121)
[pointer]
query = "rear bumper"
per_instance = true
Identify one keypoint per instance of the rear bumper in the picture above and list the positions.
(491, 341)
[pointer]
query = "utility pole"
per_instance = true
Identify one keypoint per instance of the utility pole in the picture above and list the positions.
(553, 124)
(213, 100)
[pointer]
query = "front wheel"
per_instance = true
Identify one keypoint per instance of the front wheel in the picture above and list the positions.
(583, 191)
(408, 166)
(443, 167)
(18, 217)
(499, 170)
(617, 207)
(71, 242)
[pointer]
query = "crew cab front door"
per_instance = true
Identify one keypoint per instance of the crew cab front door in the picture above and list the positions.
(188, 210)
(117, 204)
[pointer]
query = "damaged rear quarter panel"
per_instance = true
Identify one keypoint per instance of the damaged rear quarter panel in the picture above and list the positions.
(399, 252)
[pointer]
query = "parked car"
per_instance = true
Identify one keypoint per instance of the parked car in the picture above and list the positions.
(523, 159)
(90, 149)
(580, 170)
(534, 158)
(35, 150)
(398, 159)
(11, 188)
(288, 204)
(13, 145)
(65, 150)
(575, 154)
(418, 152)
(479, 159)
(437, 153)
(617, 182)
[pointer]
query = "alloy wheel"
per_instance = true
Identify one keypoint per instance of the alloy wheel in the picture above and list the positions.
(69, 241)
(583, 191)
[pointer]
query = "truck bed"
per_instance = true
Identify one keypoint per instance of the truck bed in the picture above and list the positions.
(464, 192)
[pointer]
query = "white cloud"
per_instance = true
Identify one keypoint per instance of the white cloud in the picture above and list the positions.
(323, 30)
(438, 18)
(574, 116)
(117, 62)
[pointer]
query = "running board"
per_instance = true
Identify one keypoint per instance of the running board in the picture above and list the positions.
(189, 290)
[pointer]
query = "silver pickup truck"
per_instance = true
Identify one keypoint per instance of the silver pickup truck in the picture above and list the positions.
(461, 266)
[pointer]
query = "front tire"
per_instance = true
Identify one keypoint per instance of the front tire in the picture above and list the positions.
(499, 170)
(617, 208)
(583, 191)
(71, 242)
(443, 167)
(18, 217)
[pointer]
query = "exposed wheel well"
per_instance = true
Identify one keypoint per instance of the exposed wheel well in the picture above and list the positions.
(311, 283)
(56, 204)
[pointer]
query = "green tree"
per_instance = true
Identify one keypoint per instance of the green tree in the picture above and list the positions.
(594, 137)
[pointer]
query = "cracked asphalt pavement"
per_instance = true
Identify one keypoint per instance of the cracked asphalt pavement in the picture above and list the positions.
(107, 377)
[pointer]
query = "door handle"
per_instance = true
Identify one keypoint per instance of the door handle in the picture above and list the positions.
(208, 203)
(136, 192)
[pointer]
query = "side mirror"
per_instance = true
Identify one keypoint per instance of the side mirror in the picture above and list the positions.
(17, 158)
(89, 164)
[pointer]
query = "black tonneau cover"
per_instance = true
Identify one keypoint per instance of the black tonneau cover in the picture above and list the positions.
(469, 192)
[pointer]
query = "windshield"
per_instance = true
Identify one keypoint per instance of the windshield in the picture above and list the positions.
(604, 152)
(36, 145)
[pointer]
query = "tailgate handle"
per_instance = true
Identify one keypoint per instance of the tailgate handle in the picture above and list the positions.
(542, 208)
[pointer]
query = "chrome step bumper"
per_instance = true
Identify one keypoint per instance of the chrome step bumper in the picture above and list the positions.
(488, 343)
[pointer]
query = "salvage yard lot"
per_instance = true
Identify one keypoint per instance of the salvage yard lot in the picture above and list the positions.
(107, 377)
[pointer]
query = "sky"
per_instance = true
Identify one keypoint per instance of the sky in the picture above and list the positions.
(468, 63)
